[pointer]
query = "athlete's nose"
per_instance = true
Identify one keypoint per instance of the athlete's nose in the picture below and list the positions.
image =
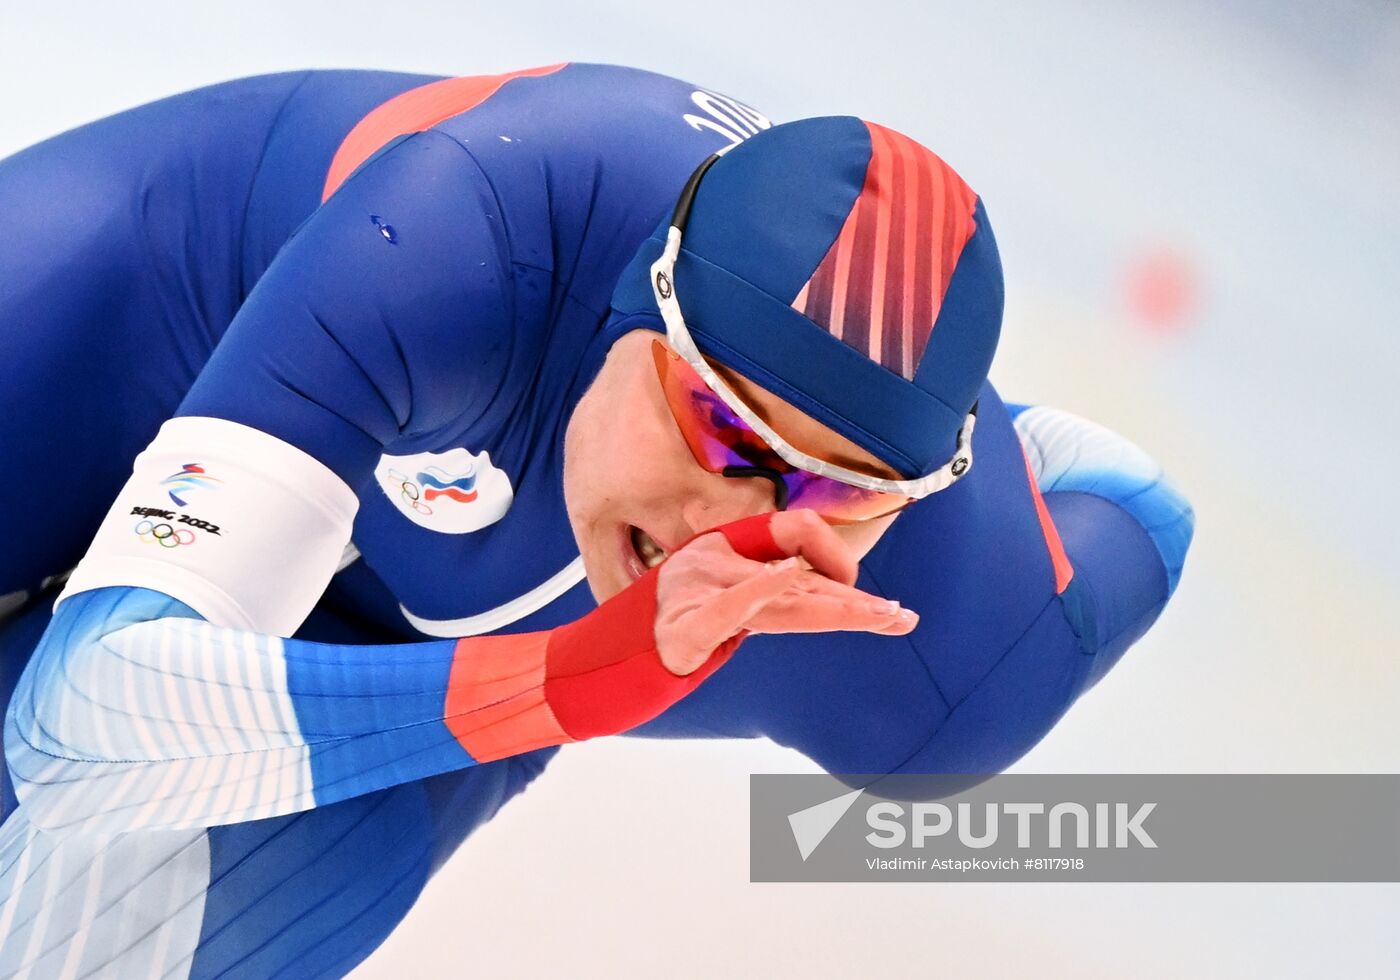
(728, 499)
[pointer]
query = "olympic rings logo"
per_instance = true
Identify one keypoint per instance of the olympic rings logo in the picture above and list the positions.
(163, 534)
(410, 493)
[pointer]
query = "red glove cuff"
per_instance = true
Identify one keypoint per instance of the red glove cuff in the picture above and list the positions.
(751, 537)
(603, 673)
(600, 675)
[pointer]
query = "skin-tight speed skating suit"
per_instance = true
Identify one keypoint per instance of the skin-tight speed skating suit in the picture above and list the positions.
(359, 307)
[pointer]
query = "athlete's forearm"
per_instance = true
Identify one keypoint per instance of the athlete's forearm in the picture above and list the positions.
(135, 713)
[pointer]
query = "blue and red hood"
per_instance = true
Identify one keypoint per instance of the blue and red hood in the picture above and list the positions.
(848, 270)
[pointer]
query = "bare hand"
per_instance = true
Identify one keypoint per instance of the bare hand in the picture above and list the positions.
(706, 593)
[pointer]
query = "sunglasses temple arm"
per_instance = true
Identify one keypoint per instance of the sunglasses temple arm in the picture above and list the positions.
(780, 488)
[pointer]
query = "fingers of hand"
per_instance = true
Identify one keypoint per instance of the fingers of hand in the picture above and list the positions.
(817, 614)
(706, 565)
(707, 593)
(802, 532)
(687, 635)
(727, 612)
(816, 605)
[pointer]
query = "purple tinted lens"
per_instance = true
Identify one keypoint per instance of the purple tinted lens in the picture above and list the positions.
(721, 441)
(836, 501)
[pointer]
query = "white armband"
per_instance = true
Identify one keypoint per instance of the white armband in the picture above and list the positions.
(240, 526)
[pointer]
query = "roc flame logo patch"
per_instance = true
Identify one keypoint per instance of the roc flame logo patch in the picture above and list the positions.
(455, 492)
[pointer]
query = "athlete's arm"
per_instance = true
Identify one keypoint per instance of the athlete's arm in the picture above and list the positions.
(142, 715)
(388, 314)
(380, 318)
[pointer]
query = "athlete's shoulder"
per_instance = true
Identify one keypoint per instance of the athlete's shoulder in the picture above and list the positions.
(578, 107)
(641, 88)
(554, 118)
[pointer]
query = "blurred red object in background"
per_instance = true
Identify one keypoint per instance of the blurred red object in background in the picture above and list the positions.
(1161, 289)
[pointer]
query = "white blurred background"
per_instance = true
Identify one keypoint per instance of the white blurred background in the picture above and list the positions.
(1198, 206)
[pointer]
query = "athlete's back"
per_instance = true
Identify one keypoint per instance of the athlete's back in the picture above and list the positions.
(130, 244)
(133, 241)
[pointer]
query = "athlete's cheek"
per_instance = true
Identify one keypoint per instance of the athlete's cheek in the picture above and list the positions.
(861, 538)
(654, 468)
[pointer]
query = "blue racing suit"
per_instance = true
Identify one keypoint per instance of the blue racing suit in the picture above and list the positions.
(401, 285)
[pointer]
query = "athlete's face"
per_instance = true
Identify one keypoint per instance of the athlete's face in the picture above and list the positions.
(633, 489)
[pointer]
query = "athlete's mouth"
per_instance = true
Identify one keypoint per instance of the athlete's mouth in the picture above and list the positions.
(645, 552)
